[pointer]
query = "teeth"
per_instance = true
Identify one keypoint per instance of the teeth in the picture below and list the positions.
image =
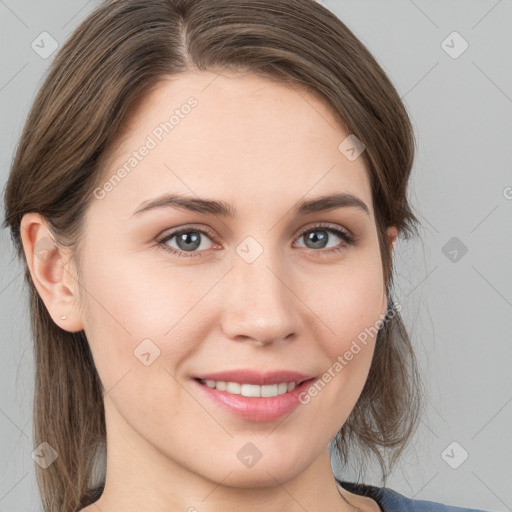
(251, 390)
(221, 386)
(233, 387)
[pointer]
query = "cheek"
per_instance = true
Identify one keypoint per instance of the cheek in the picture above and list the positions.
(350, 301)
(351, 307)
(131, 299)
(134, 295)
(141, 317)
(352, 310)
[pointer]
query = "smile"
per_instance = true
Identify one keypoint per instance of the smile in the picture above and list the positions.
(251, 390)
(253, 402)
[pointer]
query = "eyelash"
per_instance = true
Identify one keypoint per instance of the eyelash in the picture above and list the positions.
(348, 239)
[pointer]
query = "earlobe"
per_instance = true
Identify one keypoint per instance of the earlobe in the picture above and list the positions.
(392, 233)
(47, 263)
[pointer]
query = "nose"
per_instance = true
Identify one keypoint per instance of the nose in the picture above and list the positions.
(260, 305)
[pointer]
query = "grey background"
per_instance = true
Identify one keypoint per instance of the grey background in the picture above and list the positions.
(458, 312)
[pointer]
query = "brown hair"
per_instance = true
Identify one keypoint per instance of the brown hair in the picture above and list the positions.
(111, 61)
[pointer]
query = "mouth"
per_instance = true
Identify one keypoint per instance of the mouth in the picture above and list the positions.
(253, 402)
(252, 390)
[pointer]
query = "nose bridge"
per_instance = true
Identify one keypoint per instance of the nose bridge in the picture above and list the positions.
(260, 303)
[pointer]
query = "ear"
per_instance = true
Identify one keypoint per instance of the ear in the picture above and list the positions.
(48, 266)
(391, 235)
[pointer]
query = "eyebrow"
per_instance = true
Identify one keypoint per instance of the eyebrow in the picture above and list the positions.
(223, 209)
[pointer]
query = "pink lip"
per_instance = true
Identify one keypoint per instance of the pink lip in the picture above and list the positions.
(257, 408)
(249, 376)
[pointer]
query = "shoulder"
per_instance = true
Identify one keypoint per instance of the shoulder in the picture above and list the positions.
(392, 501)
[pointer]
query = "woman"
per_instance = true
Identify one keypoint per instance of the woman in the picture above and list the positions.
(213, 377)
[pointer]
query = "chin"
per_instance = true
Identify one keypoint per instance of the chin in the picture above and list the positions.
(264, 472)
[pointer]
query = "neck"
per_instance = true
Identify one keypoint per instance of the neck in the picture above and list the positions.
(142, 478)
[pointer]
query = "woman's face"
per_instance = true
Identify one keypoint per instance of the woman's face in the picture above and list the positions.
(264, 289)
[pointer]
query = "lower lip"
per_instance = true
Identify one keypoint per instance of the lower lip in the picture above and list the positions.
(256, 408)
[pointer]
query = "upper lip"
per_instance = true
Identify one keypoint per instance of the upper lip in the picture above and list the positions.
(251, 376)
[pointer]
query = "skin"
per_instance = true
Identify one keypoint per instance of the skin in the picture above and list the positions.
(261, 147)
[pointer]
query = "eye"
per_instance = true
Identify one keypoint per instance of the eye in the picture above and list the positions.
(189, 240)
(318, 236)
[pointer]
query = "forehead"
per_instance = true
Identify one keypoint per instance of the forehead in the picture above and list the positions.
(244, 139)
